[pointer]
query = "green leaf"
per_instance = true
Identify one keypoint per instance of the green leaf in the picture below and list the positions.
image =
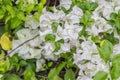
(69, 75)
(93, 6)
(37, 16)
(115, 72)
(7, 2)
(31, 66)
(119, 13)
(29, 8)
(55, 26)
(61, 41)
(40, 7)
(50, 37)
(117, 24)
(1, 13)
(116, 59)
(56, 78)
(43, 2)
(113, 16)
(86, 19)
(23, 63)
(21, 15)
(105, 50)
(15, 22)
(52, 73)
(100, 75)
(29, 75)
(111, 22)
(10, 9)
(60, 67)
(13, 77)
(4, 64)
(57, 46)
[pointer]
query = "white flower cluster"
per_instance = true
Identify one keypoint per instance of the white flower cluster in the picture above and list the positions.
(68, 28)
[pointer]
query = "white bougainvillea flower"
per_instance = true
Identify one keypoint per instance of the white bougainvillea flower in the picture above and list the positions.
(65, 3)
(35, 53)
(65, 47)
(30, 22)
(84, 78)
(74, 16)
(47, 51)
(39, 63)
(100, 25)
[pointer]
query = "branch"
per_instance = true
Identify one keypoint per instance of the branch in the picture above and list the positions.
(18, 47)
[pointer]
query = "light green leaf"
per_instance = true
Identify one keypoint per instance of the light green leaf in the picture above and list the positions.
(116, 59)
(60, 67)
(21, 15)
(100, 75)
(105, 50)
(115, 71)
(52, 73)
(15, 22)
(10, 9)
(4, 64)
(69, 75)
(56, 78)
(29, 75)
(43, 2)
(40, 7)
(37, 16)
(29, 8)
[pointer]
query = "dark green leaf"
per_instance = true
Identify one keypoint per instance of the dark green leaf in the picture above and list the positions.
(113, 16)
(93, 6)
(50, 37)
(55, 26)
(13, 77)
(1, 13)
(61, 41)
(57, 46)
(111, 22)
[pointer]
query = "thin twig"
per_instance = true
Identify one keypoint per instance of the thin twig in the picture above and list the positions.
(18, 47)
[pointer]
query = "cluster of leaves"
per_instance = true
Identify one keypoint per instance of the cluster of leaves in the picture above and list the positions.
(115, 21)
(66, 69)
(87, 8)
(13, 13)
